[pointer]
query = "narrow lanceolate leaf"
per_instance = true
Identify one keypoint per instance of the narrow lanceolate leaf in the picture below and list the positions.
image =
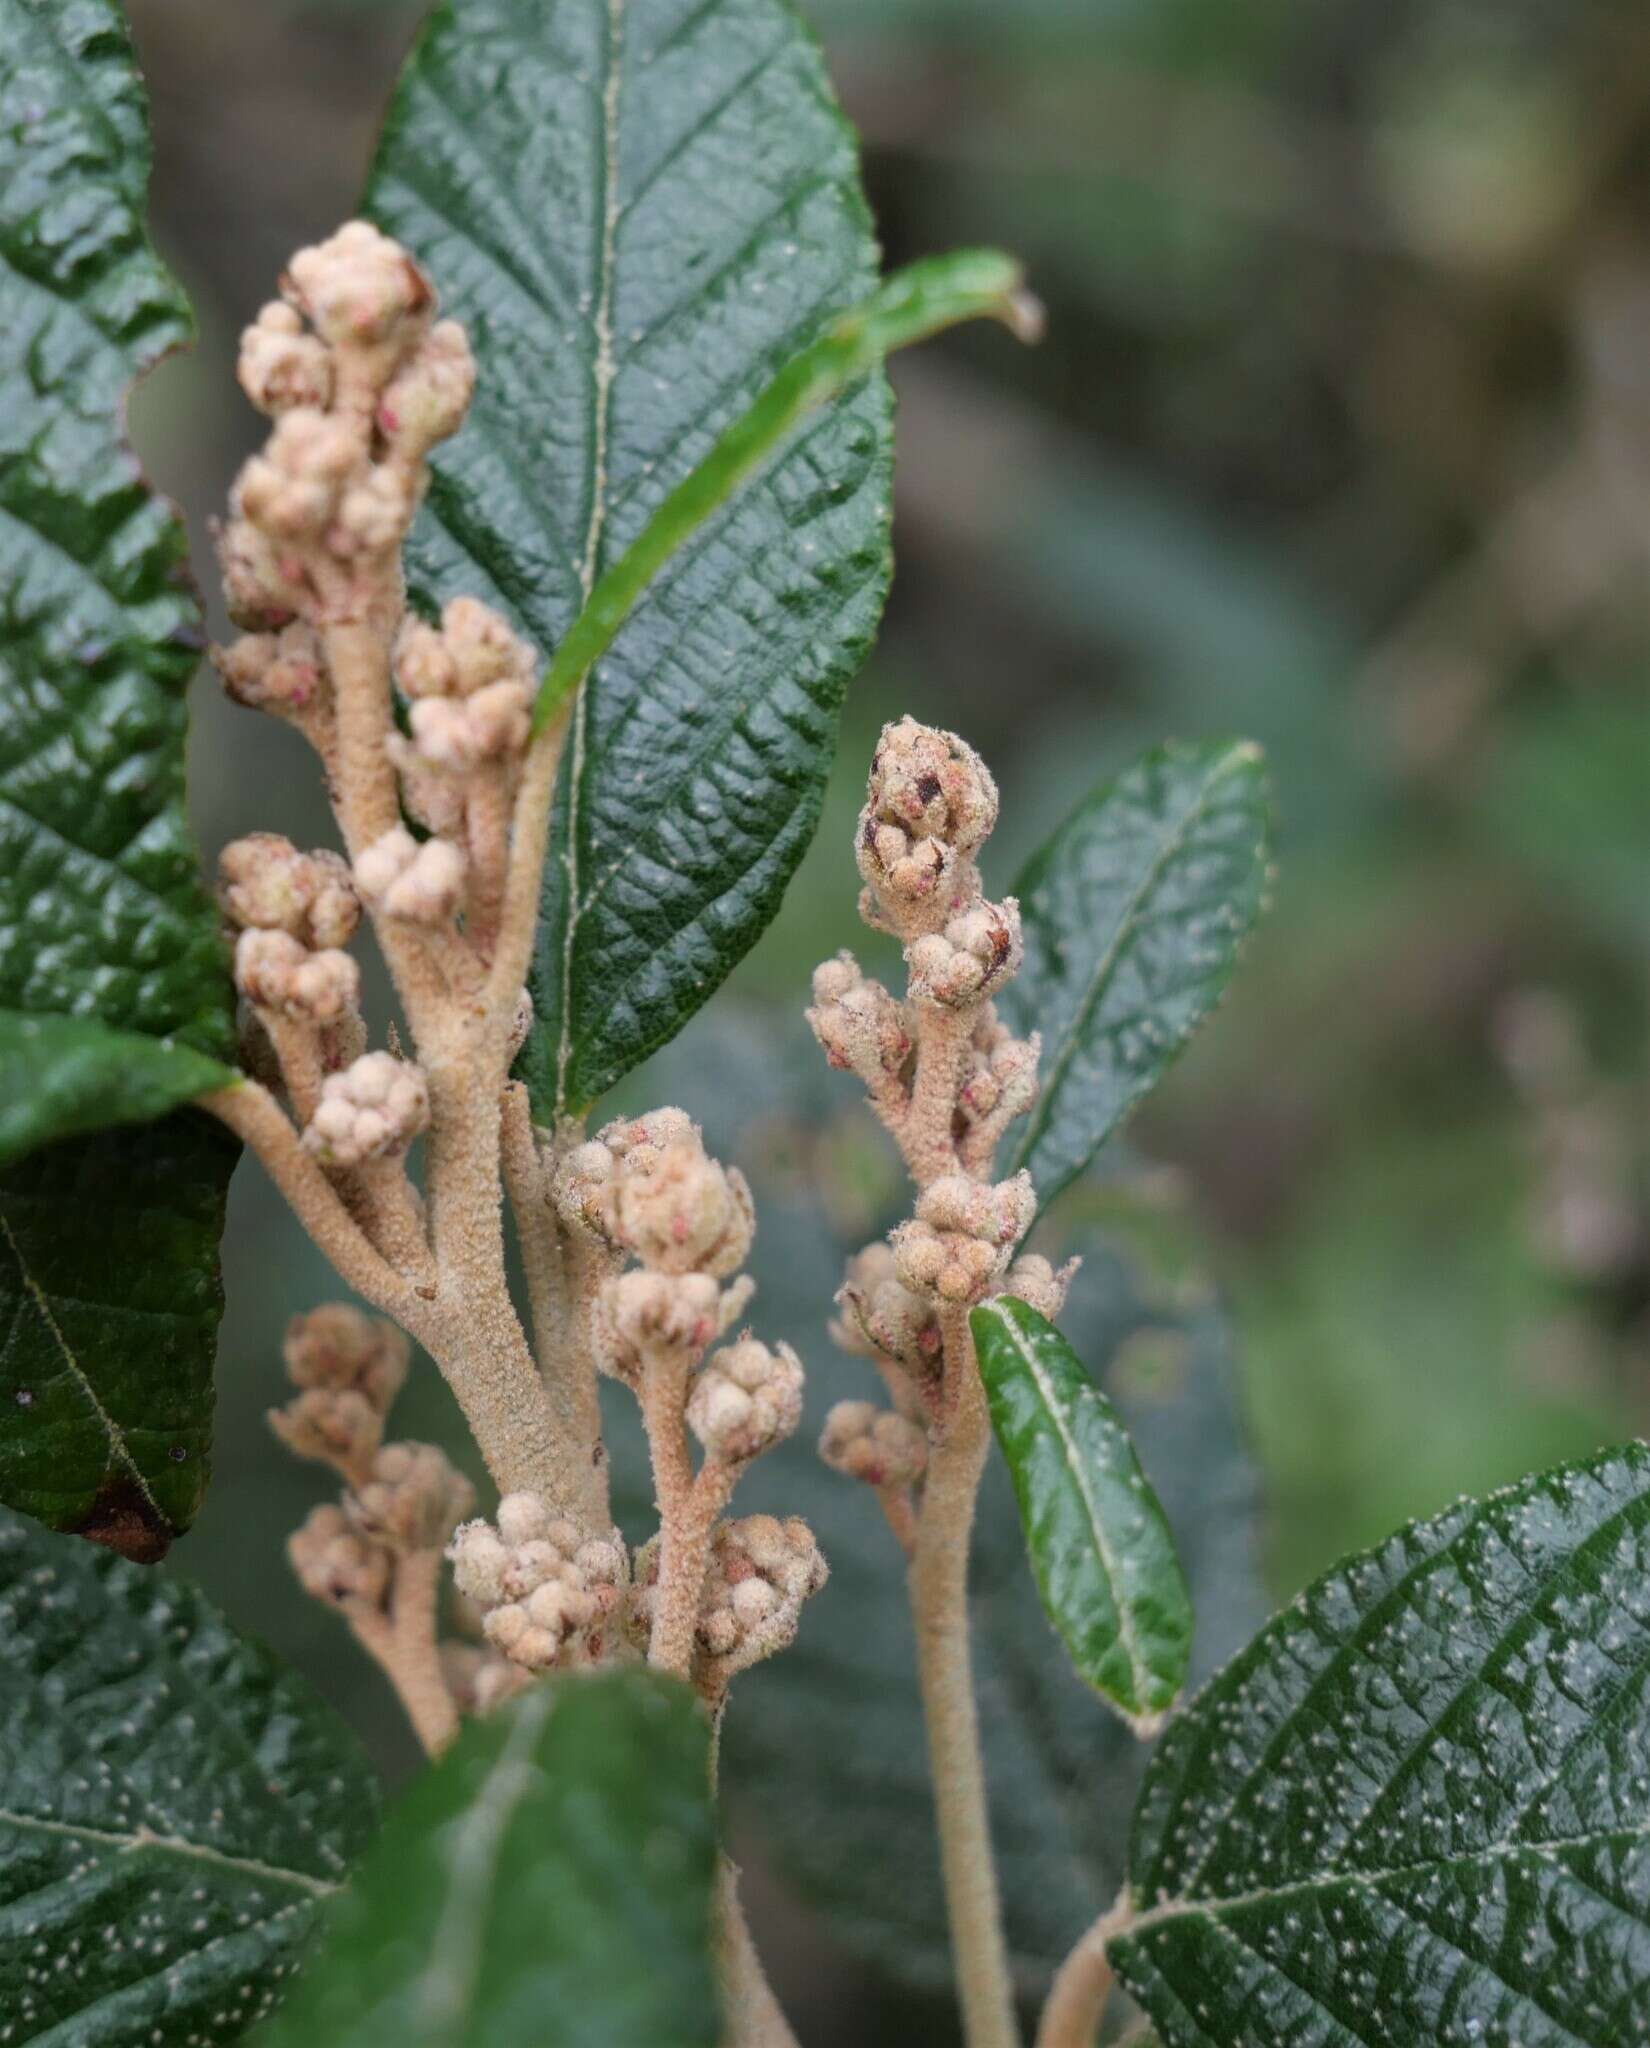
(63, 1075)
(643, 209)
(1099, 1542)
(174, 1807)
(1416, 1810)
(547, 1884)
(103, 916)
(1134, 913)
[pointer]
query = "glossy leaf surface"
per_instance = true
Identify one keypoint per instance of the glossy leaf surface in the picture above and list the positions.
(1415, 1809)
(1134, 913)
(174, 1806)
(1101, 1549)
(547, 1883)
(60, 1076)
(642, 209)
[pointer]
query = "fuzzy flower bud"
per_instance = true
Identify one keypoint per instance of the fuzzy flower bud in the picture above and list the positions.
(280, 673)
(265, 883)
(484, 650)
(289, 491)
(334, 1563)
(666, 1316)
(999, 1084)
(280, 366)
(977, 952)
(338, 1347)
(372, 1110)
(277, 972)
(374, 514)
(412, 1498)
(544, 1593)
(873, 1444)
(857, 1021)
(423, 661)
(422, 883)
(427, 399)
(957, 1245)
(1040, 1284)
(262, 584)
(761, 1571)
(357, 287)
(746, 1400)
(688, 1214)
(456, 735)
(343, 1429)
(930, 803)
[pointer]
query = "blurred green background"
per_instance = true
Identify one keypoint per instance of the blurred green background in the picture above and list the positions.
(1340, 438)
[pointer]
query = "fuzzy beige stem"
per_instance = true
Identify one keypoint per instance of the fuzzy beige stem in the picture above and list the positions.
(925, 1135)
(751, 2015)
(688, 1508)
(939, 1605)
(363, 783)
(403, 1644)
(530, 835)
(487, 830)
(1077, 1998)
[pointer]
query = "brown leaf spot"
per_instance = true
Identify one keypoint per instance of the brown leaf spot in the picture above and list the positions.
(123, 1520)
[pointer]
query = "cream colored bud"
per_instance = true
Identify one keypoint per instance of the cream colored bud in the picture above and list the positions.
(324, 988)
(978, 951)
(358, 287)
(581, 1188)
(523, 1518)
(1040, 1284)
(761, 1571)
(483, 648)
(373, 1109)
(658, 1315)
(281, 673)
(500, 719)
(265, 883)
(688, 1214)
(339, 1347)
(333, 1562)
(413, 1499)
(374, 514)
(857, 1021)
(265, 962)
(280, 366)
(334, 907)
(263, 585)
(332, 1427)
(423, 661)
(422, 883)
(874, 1445)
(746, 1400)
(427, 399)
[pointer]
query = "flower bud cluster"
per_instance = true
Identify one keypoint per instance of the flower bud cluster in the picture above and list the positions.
(412, 1498)
(761, 1571)
(283, 673)
(978, 950)
(745, 1400)
(857, 1022)
(424, 884)
(546, 1595)
(876, 1445)
(998, 1084)
(958, 1245)
(585, 1188)
(360, 385)
(294, 913)
(669, 1317)
(335, 1563)
(929, 806)
(883, 1318)
(372, 1110)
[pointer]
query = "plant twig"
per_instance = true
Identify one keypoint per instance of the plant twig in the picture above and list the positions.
(402, 1642)
(1077, 1998)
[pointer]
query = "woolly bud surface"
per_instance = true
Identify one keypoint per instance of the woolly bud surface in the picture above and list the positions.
(423, 884)
(746, 1399)
(872, 1444)
(373, 1110)
(357, 287)
(333, 1562)
(339, 1346)
(688, 1214)
(412, 1498)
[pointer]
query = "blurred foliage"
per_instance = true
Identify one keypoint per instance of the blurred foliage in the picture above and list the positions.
(1340, 438)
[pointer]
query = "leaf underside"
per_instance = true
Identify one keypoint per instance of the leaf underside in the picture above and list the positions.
(642, 209)
(1415, 1810)
(1133, 914)
(824, 1754)
(548, 1882)
(103, 915)
(1100, 1546)
(174, 1806)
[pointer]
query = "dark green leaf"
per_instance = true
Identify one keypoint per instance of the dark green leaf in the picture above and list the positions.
(173, 1807)
(1100, 1547)
(110, 1300)
(108, 1245)
(824, 1745)
(1134, 912)
(102, 909)
(1415, 1809)
(547, 1884)
(63, 1075)
(643, 209)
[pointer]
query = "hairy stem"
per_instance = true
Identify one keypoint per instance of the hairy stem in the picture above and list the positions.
(530, 836)
(1077, 1998)
(925, 1136)
(688, 1508)
(939, 1604)
(751, 2015)
(403, 1644)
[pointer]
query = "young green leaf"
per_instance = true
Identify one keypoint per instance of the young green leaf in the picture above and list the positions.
(174, 1806)
(643, 209)
(547, 1883)
(63, 1075)
(1414, 1810)
(1133, 913)
(110, 1299)
(1100, 1545)
(113, 1309)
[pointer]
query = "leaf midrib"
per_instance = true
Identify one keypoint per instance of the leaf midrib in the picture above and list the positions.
(1234, 757)
(141, 1838)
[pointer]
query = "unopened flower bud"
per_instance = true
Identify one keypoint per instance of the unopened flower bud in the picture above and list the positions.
(930, 803)
(325, 987)
(276, 672)
(357, 287)
(873, 1444)
(372, 1110)
(427, 399)
(658, 1315)
(544, 1593)
(857, 1021)
(342, 1429)
(262, 585)
(423, 661)
(761, 1571)
(374, 514)
(265, 883)
(746, 1399)
(422, 883)
(1040, 1284)
(280, 366)
(333, 1562)
(957, 1245)
(334, 907)
(688, 1214)
(483, 648)
(339, 1347)
(977, 952)
(412, 1499)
